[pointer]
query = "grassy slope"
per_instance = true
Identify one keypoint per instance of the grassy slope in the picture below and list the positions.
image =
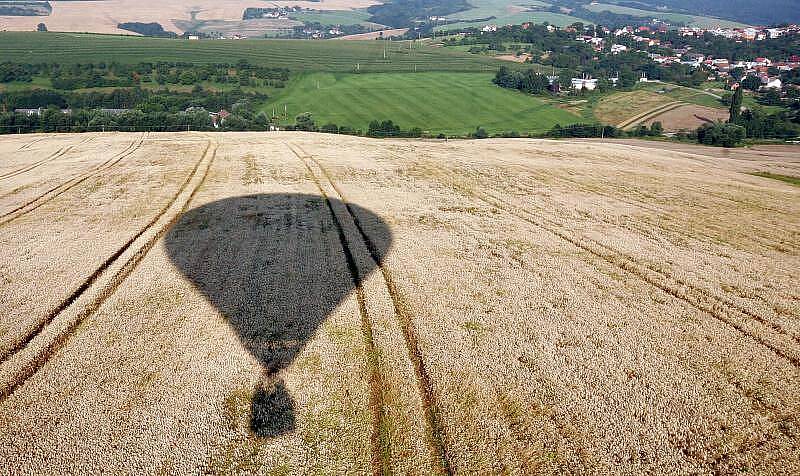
(336, 17)
(685, 94)
(506, 12)
(297, 55)
(691, 20)
(617, 107)
(451, 103)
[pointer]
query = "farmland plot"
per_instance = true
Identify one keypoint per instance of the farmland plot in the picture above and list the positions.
(311, 303)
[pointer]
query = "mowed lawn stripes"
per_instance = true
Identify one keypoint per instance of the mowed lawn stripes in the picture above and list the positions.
(450, 103)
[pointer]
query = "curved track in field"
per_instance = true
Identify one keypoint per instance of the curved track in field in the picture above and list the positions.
(59, 153)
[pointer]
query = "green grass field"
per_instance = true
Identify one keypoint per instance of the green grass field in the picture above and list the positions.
(690, 20)
(297, 55)
(505, 12)
(449, 103)
(336, 17)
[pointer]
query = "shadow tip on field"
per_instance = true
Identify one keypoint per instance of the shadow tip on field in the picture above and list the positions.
(274, 266)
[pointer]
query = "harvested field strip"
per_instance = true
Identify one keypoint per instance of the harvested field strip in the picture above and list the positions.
(720, 308)
(651, 113)
(381, 447)
(402, 312)
(54, 192)
(432, 433)
(34, 349)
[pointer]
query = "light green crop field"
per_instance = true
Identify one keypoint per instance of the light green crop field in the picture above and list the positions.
(690, 20)
(556, 19)
(449, 103)
(297, 55)
(497, 8)
(335, 17)
(502, 12)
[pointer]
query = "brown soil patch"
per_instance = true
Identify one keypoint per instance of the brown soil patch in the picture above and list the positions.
(517, 59)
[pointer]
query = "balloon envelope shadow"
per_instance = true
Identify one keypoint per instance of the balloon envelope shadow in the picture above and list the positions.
(273, 265)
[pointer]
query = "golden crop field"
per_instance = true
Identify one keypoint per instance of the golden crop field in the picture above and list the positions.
(292, 303)
(104, 16)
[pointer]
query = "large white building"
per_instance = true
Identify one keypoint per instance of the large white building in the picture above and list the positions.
(583, 83)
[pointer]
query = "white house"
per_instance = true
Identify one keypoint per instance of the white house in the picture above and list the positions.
(583, 83)
(771, 83)
(616, 48)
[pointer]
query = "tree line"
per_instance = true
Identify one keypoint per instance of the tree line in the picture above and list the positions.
(103, 75)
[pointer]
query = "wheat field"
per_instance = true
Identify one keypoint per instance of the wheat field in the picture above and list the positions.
(291, 303)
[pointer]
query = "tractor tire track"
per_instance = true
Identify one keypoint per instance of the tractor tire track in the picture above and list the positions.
(54, 192)
(410, 334)
(381, 449)
(53, 331)
(29, 144)
(717, 307)
(59, 153)
(658, 110)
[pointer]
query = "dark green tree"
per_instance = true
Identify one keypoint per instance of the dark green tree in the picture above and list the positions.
(305, 122)
(480, 133)
(656, 129)
(736, 105)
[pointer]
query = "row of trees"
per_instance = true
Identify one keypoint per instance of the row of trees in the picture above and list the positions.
(385, 128)
(146, 100)
(102, 75)
(242, 117)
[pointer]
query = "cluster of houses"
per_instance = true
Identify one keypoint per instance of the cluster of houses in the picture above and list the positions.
(277, 13)
(760, 67)
(317, 34)
(722, 67)
(745, 34)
